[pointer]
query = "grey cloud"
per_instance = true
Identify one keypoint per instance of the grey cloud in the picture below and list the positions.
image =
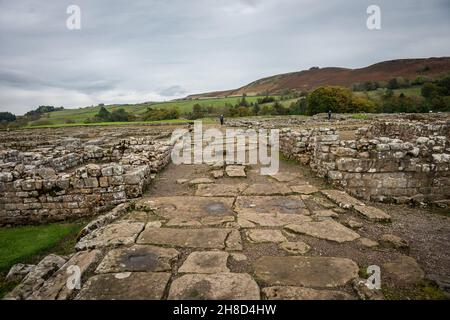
(153, 50)
(172, 91)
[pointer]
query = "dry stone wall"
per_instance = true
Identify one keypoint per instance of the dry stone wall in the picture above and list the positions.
(77, 178)
(379, 168)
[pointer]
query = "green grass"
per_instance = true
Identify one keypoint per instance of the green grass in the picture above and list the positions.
(80, 115)
(20, 244)
(426, 290)
(377, 94)
(30, 244)
(170, 121)
(360, 116)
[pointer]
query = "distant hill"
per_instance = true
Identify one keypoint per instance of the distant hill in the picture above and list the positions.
(315, 77)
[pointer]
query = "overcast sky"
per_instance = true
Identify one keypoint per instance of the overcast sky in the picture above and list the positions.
(148, 50)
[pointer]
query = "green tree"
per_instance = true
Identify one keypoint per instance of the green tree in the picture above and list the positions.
(103, 114)
(119, 115)
(336, 99)
(279, 109)
(7, 117)
(256, 108)
(430, 90)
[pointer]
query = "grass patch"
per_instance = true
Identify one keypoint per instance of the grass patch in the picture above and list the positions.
(360, 116)
(426, 290)
(78, 116)
(130, 123)
(19, 244)
(29, 244)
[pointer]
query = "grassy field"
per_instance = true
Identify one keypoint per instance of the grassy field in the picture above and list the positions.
(77, 116)
(60, 125)
(18, 244)
(377, 94)
(29, 244)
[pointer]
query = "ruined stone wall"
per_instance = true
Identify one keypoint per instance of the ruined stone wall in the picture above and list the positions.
(36, 188)
(379, 169)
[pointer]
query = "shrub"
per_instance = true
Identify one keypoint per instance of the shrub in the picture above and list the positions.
(336, 99)
(430, 90)
(7, 117)
(161, 114)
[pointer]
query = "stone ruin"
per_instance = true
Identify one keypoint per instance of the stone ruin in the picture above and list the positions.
(55, 174)
(388, 161)
(51, 176)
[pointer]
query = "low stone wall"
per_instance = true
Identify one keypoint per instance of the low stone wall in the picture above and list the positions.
(378, 169)
(33, 192)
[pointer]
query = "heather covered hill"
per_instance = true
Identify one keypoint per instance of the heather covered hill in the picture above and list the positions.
(315, 77)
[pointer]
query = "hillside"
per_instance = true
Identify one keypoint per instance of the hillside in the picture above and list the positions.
(315, 77)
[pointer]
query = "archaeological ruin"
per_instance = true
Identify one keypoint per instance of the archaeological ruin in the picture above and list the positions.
(349, 194)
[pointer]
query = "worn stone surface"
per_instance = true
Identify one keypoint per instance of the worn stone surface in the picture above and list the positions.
(205, 262)
(299, 293)
(393, 241)
(138, 258)
(364, 292)
(321, 272)
(285, 176)
(265, 235)
(341, 198)
(235, 171)
(233, 241)
(304, 189)
(216, 174)
(403, 270)
(271, 204)
(189, 208)
(18, 272)
(200, 181)
(236, 256)
(267, 189)
(328, 230)
(368, 243)
(297, 247)
(325, 214)
(190, 238)
(220, 190)
(373, 213)
(251, 220)
(36, 277)
(55, 288)
(353, 224)
(114, 234)
(218, 286)
(117, 286)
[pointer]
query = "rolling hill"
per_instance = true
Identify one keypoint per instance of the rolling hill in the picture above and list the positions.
(315, 77)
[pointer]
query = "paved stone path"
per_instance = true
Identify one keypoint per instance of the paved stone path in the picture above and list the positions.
(226, 232)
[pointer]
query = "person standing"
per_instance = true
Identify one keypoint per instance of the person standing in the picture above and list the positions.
(221, 119)
(329, 115)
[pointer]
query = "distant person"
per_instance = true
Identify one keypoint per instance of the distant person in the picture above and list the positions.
(329, 115)
(221, 119)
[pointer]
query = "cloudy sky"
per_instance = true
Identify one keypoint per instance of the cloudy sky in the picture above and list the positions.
(155, 50)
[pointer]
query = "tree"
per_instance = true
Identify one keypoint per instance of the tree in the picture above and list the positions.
(7, 117)
(430, 90)
(103, 114)
(119, 115)
(336, 99)
(256, 108)
(198, 112)
(393, 84)
(444, 83)
(279, 109)
(243, 101)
